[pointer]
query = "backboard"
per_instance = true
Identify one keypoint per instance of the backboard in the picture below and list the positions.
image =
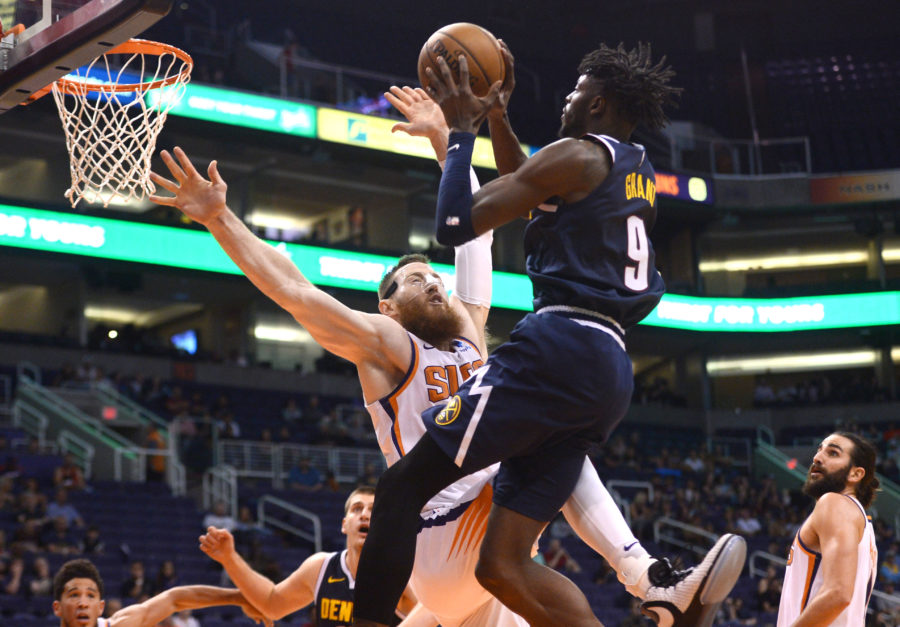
(61, 35)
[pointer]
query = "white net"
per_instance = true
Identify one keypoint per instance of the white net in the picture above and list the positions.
(111, 124)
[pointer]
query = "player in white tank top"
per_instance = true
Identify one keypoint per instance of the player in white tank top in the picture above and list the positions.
(78, 599)
(833, 560)
(454, 521)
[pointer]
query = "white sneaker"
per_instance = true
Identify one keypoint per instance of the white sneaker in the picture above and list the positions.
(689, 598)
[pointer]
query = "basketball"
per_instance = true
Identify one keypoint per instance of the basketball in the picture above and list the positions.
(481, 48)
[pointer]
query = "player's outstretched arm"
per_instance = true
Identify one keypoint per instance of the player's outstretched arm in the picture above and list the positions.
(837, 522)
(273, 600)
(472, 295)
(351, 334)
(508, 151)
(163, 605)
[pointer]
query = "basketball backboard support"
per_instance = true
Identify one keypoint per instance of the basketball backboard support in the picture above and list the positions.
(61, 35)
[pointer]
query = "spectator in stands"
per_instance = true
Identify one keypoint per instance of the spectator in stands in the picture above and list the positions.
(763, 394)
(12, 583)
(694, 463)
(176, 403)
(113, 605)
(304, 477)
(768, 591)
(7, 497)
(733, 612)
(747, 523)
(227, 427)
(642, 516)
(557, 557)
(40, 583)
(313, 413)
(887, 610)
(136, 585)
(219, 517)
(890, 566)
(198, 405)
(60, 507)
(27, 538)
(91, 544)
(635, 618)
(247, 529)
(291, 412)
(284, 435)
(221, 406)
(184, 619)
(68, 475)
(369, 476)
(166, 577)
(156, 464)
(332, 430)
(59, 538)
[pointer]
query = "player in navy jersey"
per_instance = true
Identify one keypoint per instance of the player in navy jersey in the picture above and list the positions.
(563, 381)
(325, 578)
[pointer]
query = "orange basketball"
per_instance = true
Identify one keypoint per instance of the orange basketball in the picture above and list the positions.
(481, 48)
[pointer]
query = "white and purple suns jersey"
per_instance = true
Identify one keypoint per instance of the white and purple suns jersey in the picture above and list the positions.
(802, 579)
(434, 376)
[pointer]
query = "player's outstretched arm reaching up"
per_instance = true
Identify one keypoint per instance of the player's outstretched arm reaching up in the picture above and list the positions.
(273, 600)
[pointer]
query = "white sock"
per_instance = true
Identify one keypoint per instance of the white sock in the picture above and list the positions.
(597, 520)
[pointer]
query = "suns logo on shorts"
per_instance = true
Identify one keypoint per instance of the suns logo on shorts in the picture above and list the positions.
(449, 413)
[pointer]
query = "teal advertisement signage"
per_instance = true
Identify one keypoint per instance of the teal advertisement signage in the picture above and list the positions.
(238, 108)
(120, 240)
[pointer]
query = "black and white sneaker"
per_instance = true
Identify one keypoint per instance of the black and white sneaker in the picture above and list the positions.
(689, 598)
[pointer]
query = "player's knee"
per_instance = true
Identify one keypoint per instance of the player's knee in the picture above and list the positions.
(492, 572)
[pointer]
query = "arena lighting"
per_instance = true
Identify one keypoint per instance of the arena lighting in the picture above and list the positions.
(799, 261)
(122, 240)
(110, 314)
(795, 362)
(277, 115)
(277, 333)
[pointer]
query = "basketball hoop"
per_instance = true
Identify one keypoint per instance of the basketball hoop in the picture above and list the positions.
(111, 126)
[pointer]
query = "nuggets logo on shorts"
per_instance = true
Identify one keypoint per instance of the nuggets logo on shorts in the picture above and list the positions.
(449, 413)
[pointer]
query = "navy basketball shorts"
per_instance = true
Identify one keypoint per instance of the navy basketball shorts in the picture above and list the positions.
(537, 405)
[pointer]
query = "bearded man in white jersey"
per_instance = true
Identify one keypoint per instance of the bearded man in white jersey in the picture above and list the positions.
(833, 560)
(414, 353)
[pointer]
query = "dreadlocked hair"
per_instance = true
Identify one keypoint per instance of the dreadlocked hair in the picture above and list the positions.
(639, 89)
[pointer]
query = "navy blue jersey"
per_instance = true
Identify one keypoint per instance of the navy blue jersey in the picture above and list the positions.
(595, 254)
(334, 593)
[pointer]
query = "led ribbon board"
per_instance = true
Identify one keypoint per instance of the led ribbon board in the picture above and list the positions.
(776, 314)
(226, 106)
(120, 240)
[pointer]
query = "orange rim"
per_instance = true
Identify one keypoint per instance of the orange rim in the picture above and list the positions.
(133, 46)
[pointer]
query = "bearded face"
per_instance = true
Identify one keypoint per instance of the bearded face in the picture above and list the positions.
(435, 323)
(819, 481)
